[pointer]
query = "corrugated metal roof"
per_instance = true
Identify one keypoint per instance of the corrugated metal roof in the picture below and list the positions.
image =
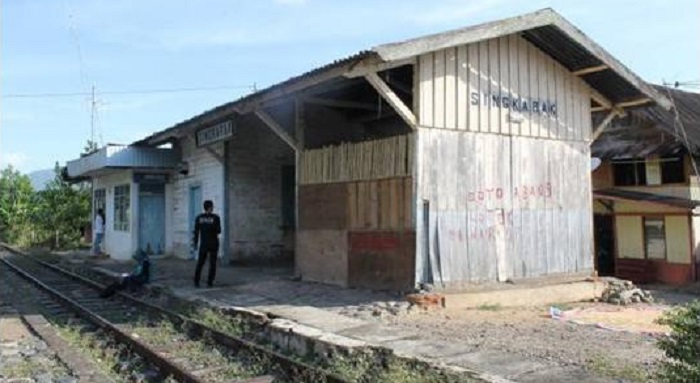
(554, 35)
(561, 48)
(347, 61)
(572, 55)
(545, 29)
(628, 195)
(687, 104)
(653, 130)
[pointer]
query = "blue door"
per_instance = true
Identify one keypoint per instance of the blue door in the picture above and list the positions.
(152, 218)
(195, 209)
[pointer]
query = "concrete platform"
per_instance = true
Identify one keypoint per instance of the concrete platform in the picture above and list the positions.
(308, 321)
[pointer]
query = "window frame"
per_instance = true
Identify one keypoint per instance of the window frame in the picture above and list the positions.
(644, 236)
(666, 160)
(639, 166)
(122, 207)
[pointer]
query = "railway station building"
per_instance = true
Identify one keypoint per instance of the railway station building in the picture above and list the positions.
(451, 159)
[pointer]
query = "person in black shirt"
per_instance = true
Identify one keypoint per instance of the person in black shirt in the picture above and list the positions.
(207, 227)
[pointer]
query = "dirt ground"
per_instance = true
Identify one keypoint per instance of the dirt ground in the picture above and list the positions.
(13, 330)
(583, 338)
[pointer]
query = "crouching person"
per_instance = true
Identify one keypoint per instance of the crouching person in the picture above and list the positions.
(131, 282)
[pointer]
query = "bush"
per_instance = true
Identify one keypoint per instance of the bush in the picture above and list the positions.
(682, 346)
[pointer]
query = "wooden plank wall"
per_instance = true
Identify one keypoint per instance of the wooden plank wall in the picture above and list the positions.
(507, 188)
(508, 67)
(380, 204)
(503, 207)
(357, 233)
(376, 159)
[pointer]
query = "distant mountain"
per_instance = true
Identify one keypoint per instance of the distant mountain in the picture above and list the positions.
(40, 178)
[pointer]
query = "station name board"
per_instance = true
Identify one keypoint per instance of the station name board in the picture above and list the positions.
(214, 133)
(515, 103)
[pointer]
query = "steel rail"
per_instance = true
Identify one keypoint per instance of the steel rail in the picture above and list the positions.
(289, 365)
(167, 367)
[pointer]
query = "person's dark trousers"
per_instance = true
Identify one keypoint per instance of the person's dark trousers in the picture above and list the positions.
(130, 283)
(205, 253)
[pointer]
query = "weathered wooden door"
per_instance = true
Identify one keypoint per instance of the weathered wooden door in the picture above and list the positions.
(152, 218)
(604, 244)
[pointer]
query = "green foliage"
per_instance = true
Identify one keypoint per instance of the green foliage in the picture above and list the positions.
(52, 216)
(89, 148)
(489, 307)
(61, 209)
(16, 207)
(682, 346)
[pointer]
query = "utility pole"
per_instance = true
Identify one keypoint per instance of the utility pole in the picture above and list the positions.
(92, 115)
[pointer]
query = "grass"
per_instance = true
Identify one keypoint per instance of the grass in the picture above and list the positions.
(385, 367)
(107, 358)
(29, 368)
(489, 307)
(368, 366)
(563, 306)
(224, 323)
(604, 366)
(200, 353)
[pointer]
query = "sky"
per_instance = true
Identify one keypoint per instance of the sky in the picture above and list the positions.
(144, 58)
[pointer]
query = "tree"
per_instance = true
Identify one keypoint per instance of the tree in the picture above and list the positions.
(89, 148)
(62, 209)
(16, 194)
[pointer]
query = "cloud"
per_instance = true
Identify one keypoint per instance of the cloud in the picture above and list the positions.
(16, 159)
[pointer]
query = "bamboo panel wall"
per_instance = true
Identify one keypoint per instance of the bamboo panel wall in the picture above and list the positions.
(369, 160)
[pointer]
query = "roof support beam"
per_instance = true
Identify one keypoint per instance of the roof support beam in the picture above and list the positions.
(340, 103)
(277, 128)
(600, 99)
(216, 155)
(629, 104)
(388, 94)
(599, 129)
(374, 64)
(593, 69)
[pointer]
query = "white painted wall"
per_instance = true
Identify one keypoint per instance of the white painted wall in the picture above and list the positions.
(118, 244)
(204, 170)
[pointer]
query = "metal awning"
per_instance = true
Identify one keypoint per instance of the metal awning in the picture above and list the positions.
(122, 157)
(628, 195)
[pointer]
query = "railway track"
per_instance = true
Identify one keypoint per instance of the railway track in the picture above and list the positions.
(178, 348)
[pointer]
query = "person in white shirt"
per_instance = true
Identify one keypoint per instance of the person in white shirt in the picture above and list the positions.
(99, 230)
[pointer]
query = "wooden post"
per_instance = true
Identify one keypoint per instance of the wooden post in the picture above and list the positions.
(599, 129)
(277, 128)
(299, 128)
(388, 94)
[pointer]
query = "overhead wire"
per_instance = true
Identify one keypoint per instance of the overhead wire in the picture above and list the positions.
(126, 92)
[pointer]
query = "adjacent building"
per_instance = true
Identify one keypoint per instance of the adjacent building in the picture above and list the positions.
(451, 159)
(647, 225)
